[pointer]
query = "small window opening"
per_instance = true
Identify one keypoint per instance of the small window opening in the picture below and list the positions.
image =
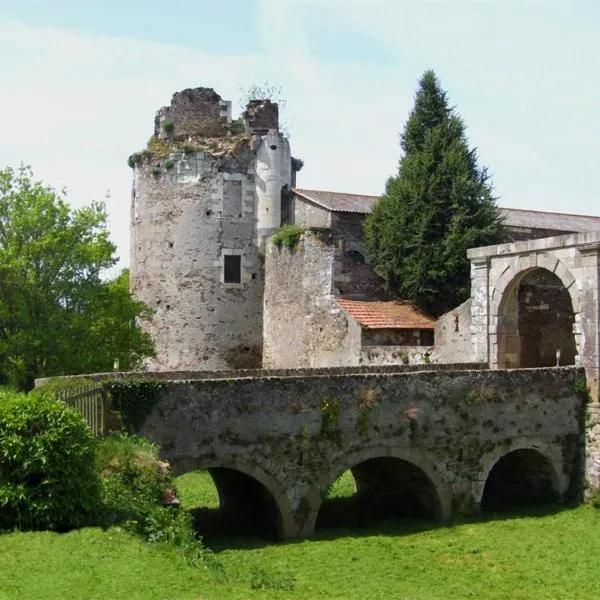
(455, 322)
(232, 268)
(426, 338)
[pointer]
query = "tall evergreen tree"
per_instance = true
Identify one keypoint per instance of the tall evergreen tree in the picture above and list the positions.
(438, 205)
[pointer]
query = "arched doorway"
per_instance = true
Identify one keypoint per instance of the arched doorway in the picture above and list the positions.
(520, 478)
(378, 489)
(535, 322)
(227, 503)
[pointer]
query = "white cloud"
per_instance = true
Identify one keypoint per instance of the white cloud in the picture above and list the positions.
(75, 106)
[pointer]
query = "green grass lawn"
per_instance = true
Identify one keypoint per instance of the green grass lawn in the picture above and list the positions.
(539, 556)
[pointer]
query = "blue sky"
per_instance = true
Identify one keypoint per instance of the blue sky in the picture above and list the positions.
(80, 83)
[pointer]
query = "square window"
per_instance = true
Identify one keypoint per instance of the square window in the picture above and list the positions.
(232, 268)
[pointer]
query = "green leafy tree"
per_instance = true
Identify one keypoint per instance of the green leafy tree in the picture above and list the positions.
(57, 315)
(438, 205)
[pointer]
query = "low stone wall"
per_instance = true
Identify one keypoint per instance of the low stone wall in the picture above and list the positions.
(393, 355)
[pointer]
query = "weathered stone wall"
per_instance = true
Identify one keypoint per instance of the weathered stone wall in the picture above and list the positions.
(295, 435)
(203, 202)
(453, 336)
(198, 112)
(185, 220)
(310, 215)
(352, 276)
(496, 274)
(545, 321)
(393, 355)
(303, 325)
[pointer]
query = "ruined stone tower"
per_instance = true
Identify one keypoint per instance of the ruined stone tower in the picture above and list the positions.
(206, 194)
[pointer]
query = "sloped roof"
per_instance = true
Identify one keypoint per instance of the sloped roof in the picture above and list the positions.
(385, 314)
(339, 202)
(513, 217)
(536, 219)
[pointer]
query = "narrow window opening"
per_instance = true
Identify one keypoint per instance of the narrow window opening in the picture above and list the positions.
(232, 268)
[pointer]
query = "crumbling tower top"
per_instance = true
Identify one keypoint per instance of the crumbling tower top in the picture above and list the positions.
(193, 113)
(261, 116)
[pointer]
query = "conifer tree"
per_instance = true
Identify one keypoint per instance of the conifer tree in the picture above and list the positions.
(438, 205)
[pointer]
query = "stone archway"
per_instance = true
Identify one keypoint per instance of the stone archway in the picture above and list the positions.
(527, 471)
(520, 478)
(389, 482)
(535, 321)
(247, 492)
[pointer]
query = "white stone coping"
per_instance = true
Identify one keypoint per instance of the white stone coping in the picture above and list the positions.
(550, 243)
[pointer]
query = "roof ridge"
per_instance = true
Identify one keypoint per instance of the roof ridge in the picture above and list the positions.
(300, 190)
(548, 212)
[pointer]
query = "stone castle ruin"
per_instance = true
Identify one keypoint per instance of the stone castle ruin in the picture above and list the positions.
(208, 194)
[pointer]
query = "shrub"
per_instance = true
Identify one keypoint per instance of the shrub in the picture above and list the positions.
(133, 479)
(288, 235)
(47, 477)
(135, 159)
(168, 126)
(169, 164)
(134, 482)
(188, 149)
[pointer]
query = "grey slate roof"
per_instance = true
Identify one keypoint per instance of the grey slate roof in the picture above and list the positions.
(339, 202)
(514, 217)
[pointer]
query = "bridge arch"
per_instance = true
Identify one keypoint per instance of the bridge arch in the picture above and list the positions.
(533, 308)
(526, 471)
(246, 489)
(402, 475)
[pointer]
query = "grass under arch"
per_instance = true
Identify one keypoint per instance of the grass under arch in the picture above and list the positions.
(540, 555)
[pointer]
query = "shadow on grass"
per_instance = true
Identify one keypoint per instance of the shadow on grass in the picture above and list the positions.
(343, 517)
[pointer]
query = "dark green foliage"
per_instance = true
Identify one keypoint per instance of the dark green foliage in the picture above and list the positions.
(237, 126)
(438, 205)
(297, 164)
(289, 235)
(169, 164)
(134, 399)
(188, 149)
(57, 314)
(133, 481)
(135, 159)
(167, 126)
(47, 477)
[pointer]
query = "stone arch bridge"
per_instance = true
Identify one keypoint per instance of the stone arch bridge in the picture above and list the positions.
(436, 441)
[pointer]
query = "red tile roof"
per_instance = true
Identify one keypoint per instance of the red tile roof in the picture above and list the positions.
(385, 314)
(513, 217)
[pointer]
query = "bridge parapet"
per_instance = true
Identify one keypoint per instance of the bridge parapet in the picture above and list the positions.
(295, 435)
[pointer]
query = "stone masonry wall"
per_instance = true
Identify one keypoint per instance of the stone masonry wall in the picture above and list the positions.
(185, 220)
(453, 336)
(303, 326)
(454, 426)
(198, 112)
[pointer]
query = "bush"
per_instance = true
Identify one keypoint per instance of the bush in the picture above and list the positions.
(134, 482)
(133, 479)
(288, 235)
(47, 477)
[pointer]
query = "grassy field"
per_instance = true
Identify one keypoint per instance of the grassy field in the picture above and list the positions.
(538, 556)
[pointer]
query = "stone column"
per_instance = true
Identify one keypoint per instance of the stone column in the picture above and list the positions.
(480, 317)
(587, 320)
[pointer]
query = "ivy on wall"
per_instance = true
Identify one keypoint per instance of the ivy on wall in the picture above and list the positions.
(134, 399)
